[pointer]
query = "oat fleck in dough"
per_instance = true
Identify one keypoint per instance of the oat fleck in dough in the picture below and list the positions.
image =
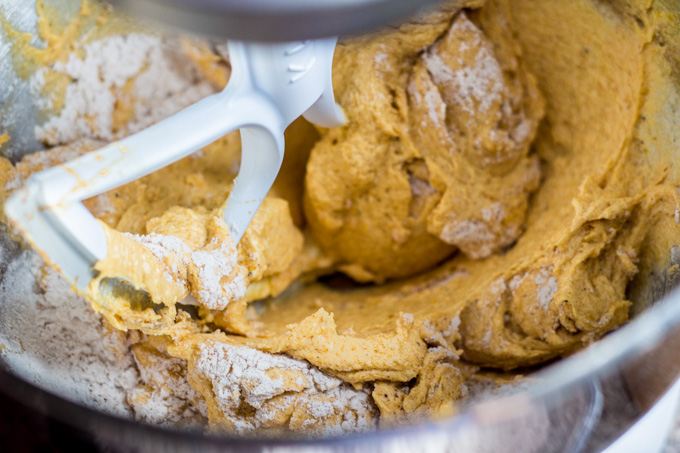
(492, 184)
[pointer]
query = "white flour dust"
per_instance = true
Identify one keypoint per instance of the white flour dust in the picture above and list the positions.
(164, 82)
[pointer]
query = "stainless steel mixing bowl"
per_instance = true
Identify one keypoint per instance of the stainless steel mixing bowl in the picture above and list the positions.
(579, 404)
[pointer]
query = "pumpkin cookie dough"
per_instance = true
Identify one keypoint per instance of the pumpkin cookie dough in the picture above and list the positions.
(492, 191)
(435, 154)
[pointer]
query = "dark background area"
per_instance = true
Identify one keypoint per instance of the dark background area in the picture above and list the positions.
(23, 429)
